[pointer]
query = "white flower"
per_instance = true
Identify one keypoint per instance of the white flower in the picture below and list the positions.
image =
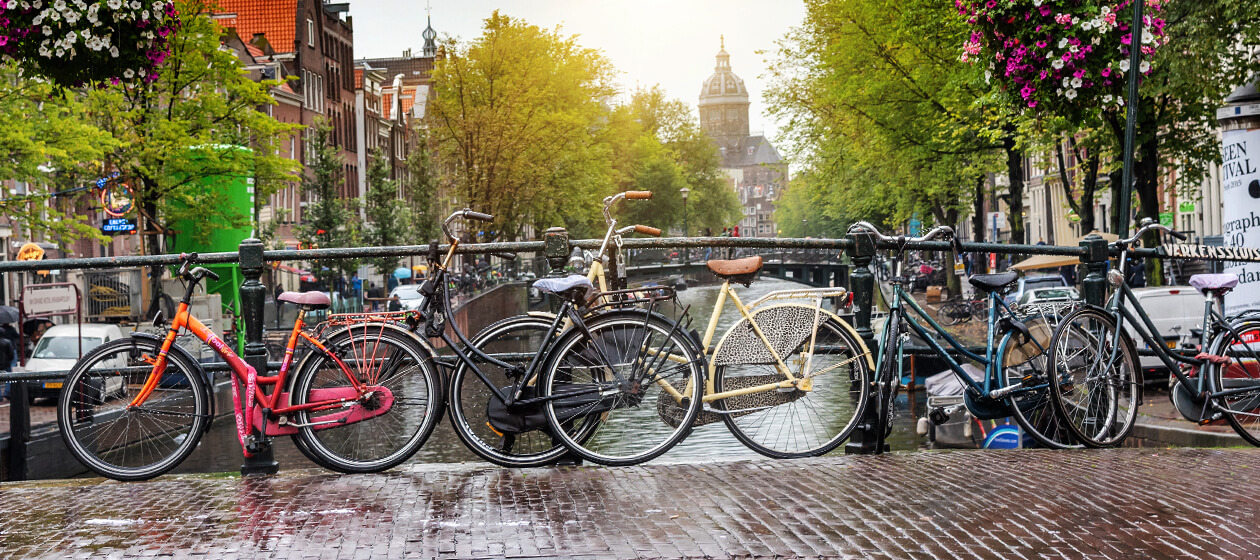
(1144, 67)
(1147, 37)
(158, 7)
(37, 4)
(1087, 25)
(1076, 82)
(1075, 20)
(1105, 10)
(47, 31)
(135, 5)
(1066, 81)
(1120, 101)
(1037, 3)
(1057, 64)
(43, 51)
(1073, 48)
(1095, 40)
(60, 52)
(1063, 42)
(39, 19)
(128, 73)
(59, 5)
(113, 51)
(144, 14)
(114, 4)
(71, 17)
(1058, 91)
(1070, 94)
(1107, 98)
(71, 38)
(141, 72)
(987, 75)
(11, 5)
(1124, 66)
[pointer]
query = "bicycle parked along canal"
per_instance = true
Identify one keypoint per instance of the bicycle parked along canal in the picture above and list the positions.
(1015, 379)
(1099, 387)
(355, 404)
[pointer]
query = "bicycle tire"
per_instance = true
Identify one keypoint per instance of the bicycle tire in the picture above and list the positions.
(1241, 410)
(626, 433)
(144, 442)
(1098, 406)
(469, 399)
(1033, 409)
(810, 423)
(953, 313)
(380, 356)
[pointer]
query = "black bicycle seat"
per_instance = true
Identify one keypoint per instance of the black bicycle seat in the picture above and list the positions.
(992, 282)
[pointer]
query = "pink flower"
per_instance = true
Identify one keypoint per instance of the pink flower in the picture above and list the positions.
(1045, 10)
(1032, 104)
(1106, 72)
(1126, 39)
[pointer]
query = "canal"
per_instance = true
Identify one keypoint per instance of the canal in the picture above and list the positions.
(220, 452)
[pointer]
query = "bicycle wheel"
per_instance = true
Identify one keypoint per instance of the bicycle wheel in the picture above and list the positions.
(396, 371)
(791, 423)
(123, 442)
(614, 374)
(1242, 410)
(1032, 407)
(514, 340)
(1096, 389)
(980, 310)
(953, 313)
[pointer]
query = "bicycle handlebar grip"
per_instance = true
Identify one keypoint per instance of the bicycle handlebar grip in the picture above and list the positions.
(200, 272)
(505, 256)
(638, 195)
(1180, 236)
(646, 230)
(478, 216)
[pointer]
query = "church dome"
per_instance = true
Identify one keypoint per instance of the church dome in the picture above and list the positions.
(723, 86)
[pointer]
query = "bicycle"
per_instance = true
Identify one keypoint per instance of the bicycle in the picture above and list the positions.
(538, 407)
(366, 412)
(1098, 391)
(1015, 382)
(963, 311)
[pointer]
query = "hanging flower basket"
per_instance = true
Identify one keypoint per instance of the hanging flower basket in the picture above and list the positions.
(87, 42)
(1059, 57)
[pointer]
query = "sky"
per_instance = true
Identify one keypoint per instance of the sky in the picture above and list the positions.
(667, 42)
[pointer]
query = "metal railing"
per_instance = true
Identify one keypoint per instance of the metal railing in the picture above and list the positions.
(555, 248)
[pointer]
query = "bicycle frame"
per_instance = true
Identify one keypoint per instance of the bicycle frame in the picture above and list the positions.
(266, 411)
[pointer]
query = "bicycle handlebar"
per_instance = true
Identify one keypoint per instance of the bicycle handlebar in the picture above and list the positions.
(638, 195)
(466, 214)
(628, 195)
(933, 233)
(646, 230)
(1148, 224)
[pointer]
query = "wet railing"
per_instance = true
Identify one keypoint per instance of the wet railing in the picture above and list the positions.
(556, 249)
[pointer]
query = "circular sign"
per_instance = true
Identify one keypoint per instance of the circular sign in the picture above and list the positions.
(30, 252)
(116, 199)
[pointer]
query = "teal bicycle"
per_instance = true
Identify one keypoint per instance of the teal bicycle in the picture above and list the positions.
(1014, 360)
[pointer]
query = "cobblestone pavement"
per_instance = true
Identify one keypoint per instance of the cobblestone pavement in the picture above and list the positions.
(1123, 503)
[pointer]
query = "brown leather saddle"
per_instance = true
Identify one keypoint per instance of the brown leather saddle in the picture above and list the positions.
(740, 271)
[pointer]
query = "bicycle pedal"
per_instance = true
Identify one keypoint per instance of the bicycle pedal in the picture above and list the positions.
(938, 415)
(1031, 380)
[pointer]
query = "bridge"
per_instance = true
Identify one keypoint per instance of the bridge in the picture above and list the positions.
(810, 267)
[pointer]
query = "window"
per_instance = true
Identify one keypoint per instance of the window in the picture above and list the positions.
(310, 33)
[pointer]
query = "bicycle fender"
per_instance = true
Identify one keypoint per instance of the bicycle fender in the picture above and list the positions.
(194, 364)
(737, 343)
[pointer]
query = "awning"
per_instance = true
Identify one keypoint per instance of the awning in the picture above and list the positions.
(1045, 261)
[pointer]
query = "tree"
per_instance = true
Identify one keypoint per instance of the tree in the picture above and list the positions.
(386, 218)
(171, 132)
(420, 193)
(328, 221)
(518, 115)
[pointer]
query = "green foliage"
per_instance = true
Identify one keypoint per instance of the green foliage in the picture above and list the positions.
(386, 213)
(50, 144)
(420, 194)
(169, 131)
(517, 119)
(329, 221)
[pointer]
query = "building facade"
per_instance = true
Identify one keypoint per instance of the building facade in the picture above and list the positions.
(752, 165)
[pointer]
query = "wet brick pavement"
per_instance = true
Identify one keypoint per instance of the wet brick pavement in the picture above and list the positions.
(1124, 503)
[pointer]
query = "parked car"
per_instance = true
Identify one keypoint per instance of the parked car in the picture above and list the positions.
(59, 349)
(1029, 283)
(1175, 311)
(408, 298)
(1049, 295)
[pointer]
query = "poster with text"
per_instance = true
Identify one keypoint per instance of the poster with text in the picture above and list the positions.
(1240, 212)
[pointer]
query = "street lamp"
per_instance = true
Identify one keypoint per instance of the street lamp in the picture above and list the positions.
(804, 227)
(686, 230)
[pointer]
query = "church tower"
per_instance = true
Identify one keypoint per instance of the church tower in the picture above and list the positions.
(724, 102)
(430, 46)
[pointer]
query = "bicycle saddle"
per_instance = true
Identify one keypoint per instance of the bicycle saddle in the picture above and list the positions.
(992, 282)
(575, 288)
(740, 271)
(309, 300)
(1218, 284)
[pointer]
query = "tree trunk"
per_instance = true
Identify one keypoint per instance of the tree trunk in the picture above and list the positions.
(1147, 174)
(977, 213)
(1015, 175)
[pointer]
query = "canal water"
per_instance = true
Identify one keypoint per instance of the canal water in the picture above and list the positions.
(220, 452)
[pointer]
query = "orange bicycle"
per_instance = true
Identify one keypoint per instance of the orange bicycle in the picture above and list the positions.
(360, 401)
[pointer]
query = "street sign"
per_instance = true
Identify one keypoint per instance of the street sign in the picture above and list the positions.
(992, 262)
(1185, 207)
(1166, 219)
(960, 268)
(44, 300)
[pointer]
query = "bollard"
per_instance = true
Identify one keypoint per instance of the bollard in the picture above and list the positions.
(556, 248)
(867, 437)
(253, 298)
(1094, 286)
(19, 429)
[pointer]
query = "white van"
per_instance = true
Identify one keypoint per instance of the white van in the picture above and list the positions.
(1175, 311)
(59, 349)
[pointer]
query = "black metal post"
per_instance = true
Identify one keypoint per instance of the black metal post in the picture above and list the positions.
(1094, 286)
(19, 429)
(557, 249)
(253, 299)
(866, 437)
(1130, 122)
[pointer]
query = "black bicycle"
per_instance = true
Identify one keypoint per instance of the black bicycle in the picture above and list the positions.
(599, 379)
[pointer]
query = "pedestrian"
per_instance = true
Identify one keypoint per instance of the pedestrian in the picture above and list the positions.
(9, 341)
(1137, 274)
(1041, 241)
(32, 331)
